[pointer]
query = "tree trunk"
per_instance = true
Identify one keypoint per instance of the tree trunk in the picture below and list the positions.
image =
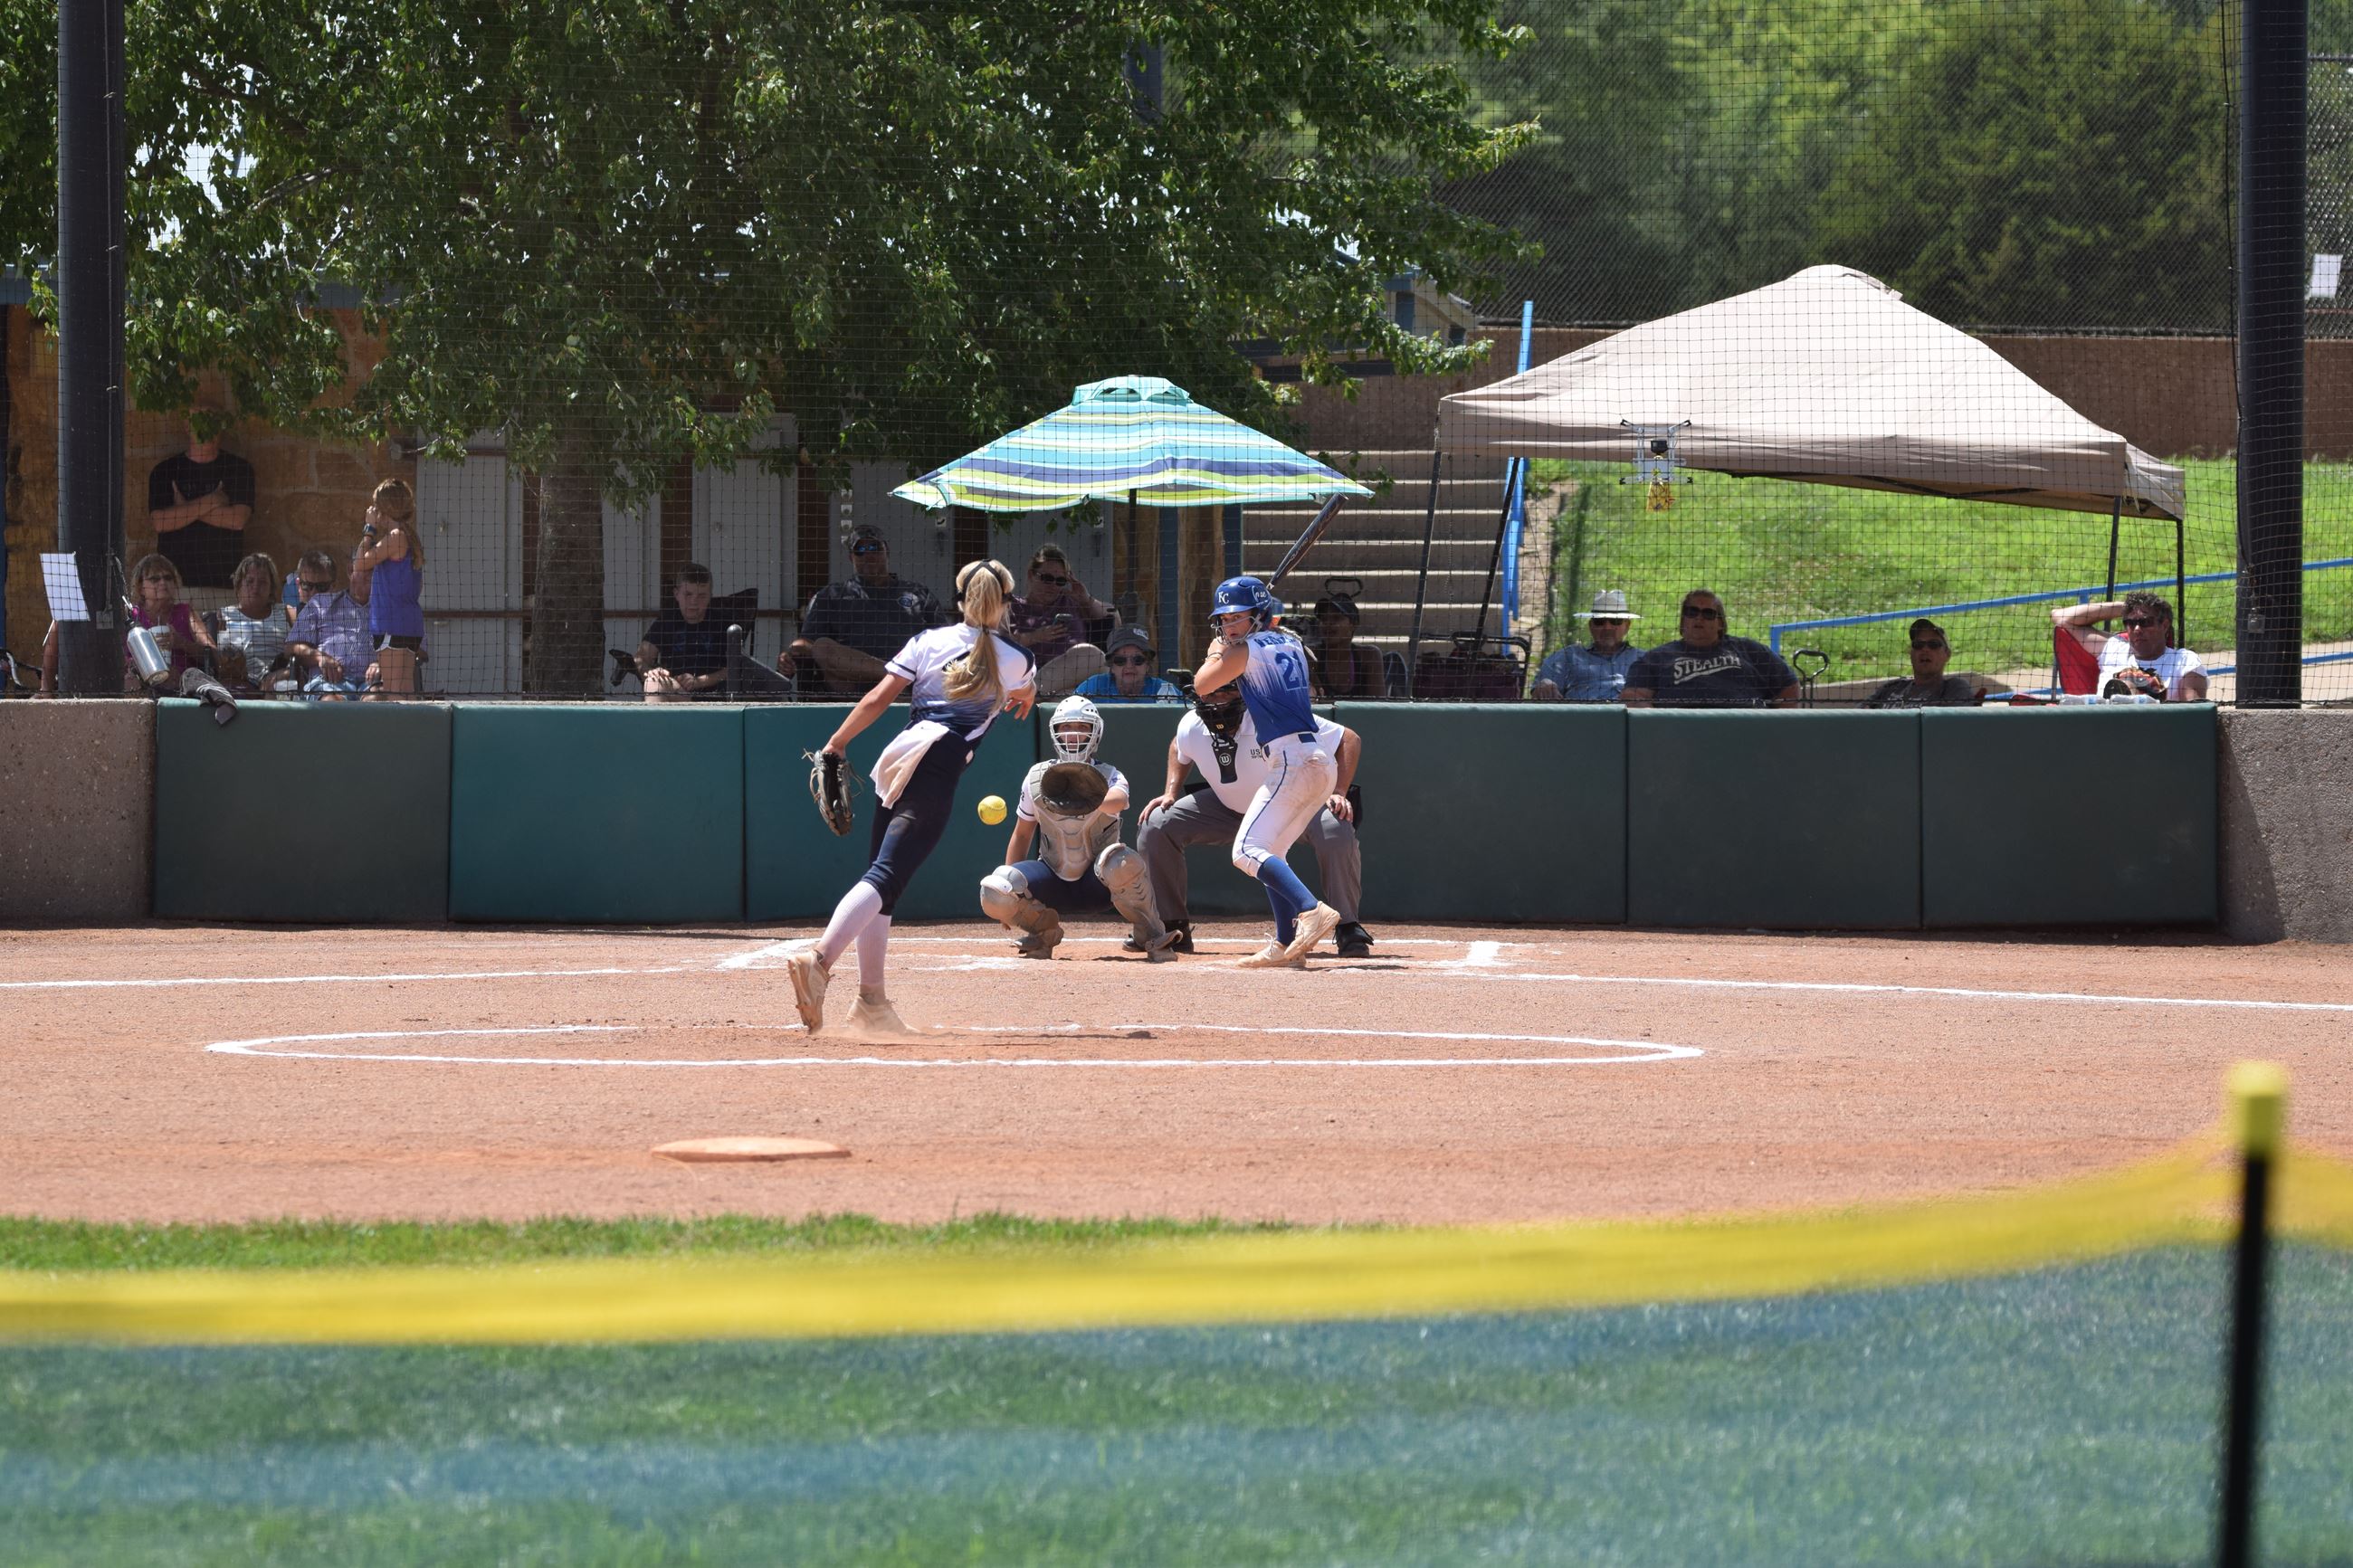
(565, 655)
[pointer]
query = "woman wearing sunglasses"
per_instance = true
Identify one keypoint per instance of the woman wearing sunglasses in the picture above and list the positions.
(1060, 624)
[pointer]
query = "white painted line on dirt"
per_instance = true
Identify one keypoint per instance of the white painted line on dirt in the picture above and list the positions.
(758, 957)
(1483, 956)
(2096, 998)
(328, 979)
(1623, 1051)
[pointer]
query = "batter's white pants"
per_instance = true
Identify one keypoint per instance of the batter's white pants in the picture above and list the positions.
(1298, 786)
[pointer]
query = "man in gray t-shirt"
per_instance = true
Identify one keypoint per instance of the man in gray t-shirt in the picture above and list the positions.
(1928, 686)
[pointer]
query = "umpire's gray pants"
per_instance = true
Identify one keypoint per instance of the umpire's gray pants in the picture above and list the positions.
(1202, 818)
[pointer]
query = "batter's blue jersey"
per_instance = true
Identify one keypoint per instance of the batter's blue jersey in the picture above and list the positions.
(1276, 687)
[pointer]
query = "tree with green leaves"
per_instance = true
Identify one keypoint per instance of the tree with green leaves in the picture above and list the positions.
(2047, 163)
(630, 232)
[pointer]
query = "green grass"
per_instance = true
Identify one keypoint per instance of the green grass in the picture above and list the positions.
(1778, 550)
(2061, 1417)
(59, 1246)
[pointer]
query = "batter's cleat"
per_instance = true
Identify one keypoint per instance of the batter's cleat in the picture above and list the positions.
(873, 1018)
(1314, 927)
(1181, 939)
(1355, 941)
(809, 975)
(1273, 955)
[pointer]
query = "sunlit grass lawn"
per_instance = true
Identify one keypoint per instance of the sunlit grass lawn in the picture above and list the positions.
(2064, 1415)
(1781, 551)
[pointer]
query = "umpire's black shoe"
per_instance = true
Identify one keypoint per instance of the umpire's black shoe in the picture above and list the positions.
(1183, 943)
(1355, 940)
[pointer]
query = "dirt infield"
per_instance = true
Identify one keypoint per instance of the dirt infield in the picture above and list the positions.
(1460, 1074)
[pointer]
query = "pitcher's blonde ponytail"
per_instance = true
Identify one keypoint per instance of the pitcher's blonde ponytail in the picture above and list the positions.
(984, 592)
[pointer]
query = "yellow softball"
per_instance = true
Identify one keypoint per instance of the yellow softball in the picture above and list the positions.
(992, 809)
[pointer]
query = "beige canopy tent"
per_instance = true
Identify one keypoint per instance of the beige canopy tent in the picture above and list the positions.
(1826, 377)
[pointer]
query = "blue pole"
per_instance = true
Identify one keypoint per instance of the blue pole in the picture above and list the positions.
(1515, 474)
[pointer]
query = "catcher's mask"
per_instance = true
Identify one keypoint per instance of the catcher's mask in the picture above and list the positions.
(1078, 729)
(1221, 711)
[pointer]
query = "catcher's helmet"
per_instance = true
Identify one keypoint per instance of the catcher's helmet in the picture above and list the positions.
(1086, 729)
(1220, 711)
(1245, 595)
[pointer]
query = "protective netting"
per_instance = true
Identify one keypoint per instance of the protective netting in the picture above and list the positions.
(617, 291)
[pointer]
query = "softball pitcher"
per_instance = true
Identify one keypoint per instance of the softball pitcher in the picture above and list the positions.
(958, 679)
(1271, 668)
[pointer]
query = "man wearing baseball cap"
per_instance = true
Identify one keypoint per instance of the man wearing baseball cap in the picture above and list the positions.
(1128, 658)
(1597, 672)
(852, 625)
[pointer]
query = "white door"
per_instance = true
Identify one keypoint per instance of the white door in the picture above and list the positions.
(745, 529)
(470, 515)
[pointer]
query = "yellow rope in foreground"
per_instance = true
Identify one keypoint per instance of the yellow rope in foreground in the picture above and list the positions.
(2182, 1196)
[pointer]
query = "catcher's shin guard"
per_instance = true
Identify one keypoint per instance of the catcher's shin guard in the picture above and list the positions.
(1125, 877)
(1005, 897)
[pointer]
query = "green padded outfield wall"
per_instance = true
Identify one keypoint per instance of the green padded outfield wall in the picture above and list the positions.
(794, 869)
(1502, 813)
(1787, 820)
(597, 813)
(2070, 815)
(310, 812)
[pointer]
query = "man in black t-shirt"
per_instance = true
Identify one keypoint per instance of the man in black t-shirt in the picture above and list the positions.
(1705, 668)
(199, 501)
(1928, 686)
(852, 627)
(684, 654)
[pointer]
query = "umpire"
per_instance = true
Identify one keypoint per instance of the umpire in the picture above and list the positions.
(1218, 739)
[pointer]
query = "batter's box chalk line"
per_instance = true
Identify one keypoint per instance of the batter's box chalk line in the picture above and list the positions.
(1612, 1053)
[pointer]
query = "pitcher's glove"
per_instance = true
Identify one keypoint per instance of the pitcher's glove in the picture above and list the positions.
(2131, 680)
(829, 787)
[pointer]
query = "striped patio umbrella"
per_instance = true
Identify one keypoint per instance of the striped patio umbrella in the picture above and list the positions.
(1135, 438)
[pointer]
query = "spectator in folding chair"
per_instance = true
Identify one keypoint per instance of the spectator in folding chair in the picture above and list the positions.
(852, 625)
(2146, 646)
(1928, 686)
(683, 655)
(1596, 672)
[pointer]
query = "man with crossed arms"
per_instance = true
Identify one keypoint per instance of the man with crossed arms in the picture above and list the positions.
(1218, 738)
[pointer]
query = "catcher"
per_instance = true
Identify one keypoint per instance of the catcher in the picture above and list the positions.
(1070, 808)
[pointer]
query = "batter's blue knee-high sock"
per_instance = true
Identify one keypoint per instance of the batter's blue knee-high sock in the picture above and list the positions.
(1286, 893)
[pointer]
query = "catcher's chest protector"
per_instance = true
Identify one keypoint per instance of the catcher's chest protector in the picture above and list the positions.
(1068, 845)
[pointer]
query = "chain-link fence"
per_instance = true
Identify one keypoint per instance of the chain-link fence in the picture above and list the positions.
(614, 293)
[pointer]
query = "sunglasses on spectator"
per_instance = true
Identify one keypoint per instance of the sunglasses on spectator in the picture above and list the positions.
(1051, 580)
(1929, 642)
(2135, 623)
(313, 583)
(867, 547)
(1702, 612)
(1129, 658)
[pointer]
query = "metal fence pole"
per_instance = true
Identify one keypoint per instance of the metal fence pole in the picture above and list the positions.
(2273, 37)
(89, 336)
(2258, 1105)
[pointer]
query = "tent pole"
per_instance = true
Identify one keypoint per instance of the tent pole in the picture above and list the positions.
(2180, 592)
(1421, 583)
(2116, 523)
(1503, 527)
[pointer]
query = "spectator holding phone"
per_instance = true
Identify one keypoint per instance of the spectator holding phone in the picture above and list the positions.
(388, 576)
(1060, 624)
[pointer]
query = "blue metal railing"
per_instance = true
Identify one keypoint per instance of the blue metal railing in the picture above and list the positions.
(2081, 596)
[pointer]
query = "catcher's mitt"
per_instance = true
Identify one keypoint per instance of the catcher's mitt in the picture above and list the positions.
(1071, 789)
(2131, 680)
(829, 787)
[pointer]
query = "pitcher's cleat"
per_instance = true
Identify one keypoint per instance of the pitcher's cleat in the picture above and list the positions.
(1314, 927)
(809, 975)
(873, 1018)
(1273, 955)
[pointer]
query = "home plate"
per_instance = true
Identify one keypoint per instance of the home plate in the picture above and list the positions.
(705, 1149)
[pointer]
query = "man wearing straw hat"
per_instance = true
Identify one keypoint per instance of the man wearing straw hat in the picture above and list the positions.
(1597, 672)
